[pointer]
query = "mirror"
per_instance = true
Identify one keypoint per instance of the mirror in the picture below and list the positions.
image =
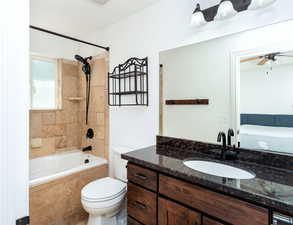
(265, 99)
(214, 85)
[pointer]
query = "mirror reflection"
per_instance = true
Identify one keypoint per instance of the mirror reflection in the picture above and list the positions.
(266, 102)
(240, 82)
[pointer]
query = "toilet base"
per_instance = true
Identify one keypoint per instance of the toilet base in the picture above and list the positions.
(99, 220)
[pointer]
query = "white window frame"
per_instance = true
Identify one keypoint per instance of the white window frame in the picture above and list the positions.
(57, 82)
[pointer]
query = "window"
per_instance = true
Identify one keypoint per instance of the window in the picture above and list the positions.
(44, 83)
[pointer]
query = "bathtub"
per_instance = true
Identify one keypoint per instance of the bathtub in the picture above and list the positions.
(48, 168)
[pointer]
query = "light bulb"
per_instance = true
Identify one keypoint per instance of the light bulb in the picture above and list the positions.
(226, 10)
(197, 18)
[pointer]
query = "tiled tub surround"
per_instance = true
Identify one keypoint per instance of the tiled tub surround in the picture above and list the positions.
(55, 186)
(272, 187)
(62, 130)
(55, 197)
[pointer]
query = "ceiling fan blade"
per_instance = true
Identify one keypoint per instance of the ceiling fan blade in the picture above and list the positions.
(263, 61)
(251, 59)
(290, 56)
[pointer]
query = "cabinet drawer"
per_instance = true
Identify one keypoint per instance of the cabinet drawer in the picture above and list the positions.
(142, 204)
(220, 206)
(131, 221)
(141, 176)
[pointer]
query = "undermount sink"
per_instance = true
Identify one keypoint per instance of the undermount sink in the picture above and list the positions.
(218, 169)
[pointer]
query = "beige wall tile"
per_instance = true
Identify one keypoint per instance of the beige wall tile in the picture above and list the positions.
(61, 117)
(99, 72)
(70, 69)
(49, 118)
(48, 148)
(61, 142)
(59, 201)
(70, 86)
(99, 147)
(54, 130)
(74, 141)
(35, 124)
(100, 119)
(101, 132)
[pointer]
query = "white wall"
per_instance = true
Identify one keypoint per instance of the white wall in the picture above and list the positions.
(14, 98)
(51, 46)
(267, 93)
(161, 26)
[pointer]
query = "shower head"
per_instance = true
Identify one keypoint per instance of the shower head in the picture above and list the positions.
(86, 66)
(80, 59)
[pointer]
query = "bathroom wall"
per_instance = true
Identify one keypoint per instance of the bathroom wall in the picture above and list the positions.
(276, 93)
(54, 131)
(14, 116)
(162, 26)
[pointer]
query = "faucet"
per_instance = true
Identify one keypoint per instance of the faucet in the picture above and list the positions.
(86, 149)
(228, 152)
(230, 134)
(222, 138)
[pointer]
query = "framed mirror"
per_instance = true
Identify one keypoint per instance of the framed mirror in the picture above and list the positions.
(241, 81)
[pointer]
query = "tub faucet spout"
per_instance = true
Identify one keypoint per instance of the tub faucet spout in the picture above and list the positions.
(87, 149)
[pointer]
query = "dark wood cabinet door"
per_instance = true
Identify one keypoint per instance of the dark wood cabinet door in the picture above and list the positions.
(131, 221)
(142, 204)
(171, 213)
(208, 221)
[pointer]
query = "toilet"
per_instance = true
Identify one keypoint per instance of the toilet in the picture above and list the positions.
(103, 199)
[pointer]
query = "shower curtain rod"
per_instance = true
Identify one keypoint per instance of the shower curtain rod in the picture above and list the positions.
(68, 37)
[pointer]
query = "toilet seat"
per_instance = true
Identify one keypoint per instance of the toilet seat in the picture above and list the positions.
(102, 190)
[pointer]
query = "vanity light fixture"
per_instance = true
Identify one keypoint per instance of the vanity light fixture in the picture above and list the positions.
(226, 10)
(197, 18)
(258, 4)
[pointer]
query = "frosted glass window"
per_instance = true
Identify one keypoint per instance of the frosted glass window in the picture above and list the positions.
(44, 84)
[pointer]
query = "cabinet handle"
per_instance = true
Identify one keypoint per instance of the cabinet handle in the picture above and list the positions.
(141, 176)
(139, 205)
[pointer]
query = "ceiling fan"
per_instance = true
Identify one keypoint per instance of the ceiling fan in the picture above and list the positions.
(266, 58)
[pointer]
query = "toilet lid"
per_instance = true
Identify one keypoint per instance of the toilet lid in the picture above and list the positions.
(103, 189)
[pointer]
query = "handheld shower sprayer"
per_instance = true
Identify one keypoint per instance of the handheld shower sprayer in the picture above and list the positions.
(86, 68)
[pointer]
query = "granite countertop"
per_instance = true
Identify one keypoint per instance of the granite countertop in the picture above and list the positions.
(272, 187)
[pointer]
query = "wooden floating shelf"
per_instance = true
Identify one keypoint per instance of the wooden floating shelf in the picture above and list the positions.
(188, 102)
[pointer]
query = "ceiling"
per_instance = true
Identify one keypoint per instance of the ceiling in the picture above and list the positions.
(81, 18)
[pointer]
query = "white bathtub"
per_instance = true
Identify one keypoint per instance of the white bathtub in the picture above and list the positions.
(45, 169)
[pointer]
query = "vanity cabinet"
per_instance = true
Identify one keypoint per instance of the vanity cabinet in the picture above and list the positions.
(142, 204)
(171, 213)
(157, 199)
(209, 221)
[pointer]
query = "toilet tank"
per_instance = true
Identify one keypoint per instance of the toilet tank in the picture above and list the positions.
(120, 171)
